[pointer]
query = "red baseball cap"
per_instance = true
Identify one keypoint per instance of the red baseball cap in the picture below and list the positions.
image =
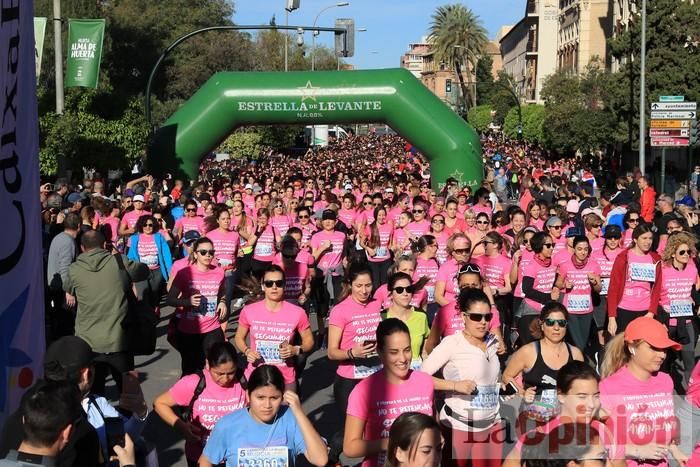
(650, 331)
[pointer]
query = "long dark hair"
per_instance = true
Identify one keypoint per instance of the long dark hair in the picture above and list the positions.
(374, 239)
(266, 375)
(405, 433)
(354, 271)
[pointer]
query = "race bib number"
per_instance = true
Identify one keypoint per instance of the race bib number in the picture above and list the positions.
(680, 308)
(643, 272)
(269, 351)
(361, 371)
(604, 285)
(579, 303)
(273, 456)
(549, 396)
(486, 397)
(150, 260)
(263, 249)
(207, 306)
(381, 252)
(416, 363)
(225, 262)
(430, 290)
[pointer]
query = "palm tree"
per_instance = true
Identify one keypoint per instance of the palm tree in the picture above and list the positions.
(458, 37)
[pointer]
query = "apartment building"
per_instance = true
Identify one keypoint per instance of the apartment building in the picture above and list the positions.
(413, 59)
(584, 26)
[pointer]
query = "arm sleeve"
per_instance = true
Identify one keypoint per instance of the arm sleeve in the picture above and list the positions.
(617, 279)
(531, 293)
(65, 258)
(215, 449)
(437, 358)
(137, 271)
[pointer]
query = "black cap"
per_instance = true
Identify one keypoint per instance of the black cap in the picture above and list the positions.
(205, 197)
(613, 231)
(329, 214)
(574, 232)
(190, 236)
(67, 355)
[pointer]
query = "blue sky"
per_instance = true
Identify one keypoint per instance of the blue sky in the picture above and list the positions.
(391, 24)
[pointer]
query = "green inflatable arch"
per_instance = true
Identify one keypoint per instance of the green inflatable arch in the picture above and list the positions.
(394, 97)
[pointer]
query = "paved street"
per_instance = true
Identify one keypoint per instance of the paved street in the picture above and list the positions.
(162, 369)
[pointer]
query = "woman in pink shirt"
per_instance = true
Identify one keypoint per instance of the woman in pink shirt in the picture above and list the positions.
(634, 281)
(453, 223)
(605, 259)
(298, 267)
(638, 396)
(376, 241)
(378, 400)
(533, 215)
(110, 224)
(270, 325)
(419, 225)
(227, 244)
(678, 277)
(352, 339)
(517, 223)
(428, 266)
(594, 225)
(347, 213)
(470, 381)
(483, 226)
(265, 241)
(199, 296)
(578, 277)
(407, 265)
(446, 288)
(191, 221)
(631, 221)
(221, 393)
(280, 220)
(522, 256)
(437, 230)
(414, 441)
(401, 244)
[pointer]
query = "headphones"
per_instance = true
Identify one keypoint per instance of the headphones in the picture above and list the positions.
(631, 349)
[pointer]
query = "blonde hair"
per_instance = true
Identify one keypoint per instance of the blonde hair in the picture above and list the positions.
(453, 238)
(675, 240)
(591, 219)
(617, 355)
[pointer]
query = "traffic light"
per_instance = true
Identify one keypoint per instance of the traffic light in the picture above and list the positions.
(694, 132)
(448, 86)
(345, 43)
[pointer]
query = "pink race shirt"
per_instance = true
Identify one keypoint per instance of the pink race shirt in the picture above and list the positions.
(189, 281)
(185, 224)
(605, 260)
(494, 269)
(268, 329)
(110, 228)
(333, 256)
(578, 300)
(379, 403)
(358, 323)
(401, 240)
(226, 245)
(428, 268)
(543, 280)
(441, 239)
(448, 275)
(307, 232)
(418, 229)
(265, 247)
(641, 272)
(281, 224)
(295, 274)
(179, 265)
(130, 218)
(212, 404)
(525, 259)
(347, 216)
(382, 252)
(641, 412)
(676, 290)
(148, 251)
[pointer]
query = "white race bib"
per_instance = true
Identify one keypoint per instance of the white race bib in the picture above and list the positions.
(486, 398)
(681, 308)
(578, 303)
(430, 290)
(225, 262)
(416, 363)
(381, 252)
(549, 396)
(269, 351)
(361, 371)
(643, 272)
(263, 249)
(272, 456)
(150, 260)
(604, 285)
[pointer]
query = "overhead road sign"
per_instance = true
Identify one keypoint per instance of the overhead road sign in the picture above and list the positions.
(673, 114)
(670, 141)
(671, 98)
(674, 106)
(685, 132)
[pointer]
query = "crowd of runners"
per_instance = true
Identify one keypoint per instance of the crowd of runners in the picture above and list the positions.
(545, 318)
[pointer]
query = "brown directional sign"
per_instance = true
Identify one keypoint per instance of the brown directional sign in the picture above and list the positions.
(683, 132)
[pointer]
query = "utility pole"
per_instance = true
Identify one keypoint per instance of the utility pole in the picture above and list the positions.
(642, 86)
(58, 55)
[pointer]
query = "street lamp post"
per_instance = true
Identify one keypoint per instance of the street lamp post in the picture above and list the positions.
(287, 10)
(314, 34)
(642, 85)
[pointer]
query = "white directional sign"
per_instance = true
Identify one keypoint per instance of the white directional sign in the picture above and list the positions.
(673, 114)
(674, 106)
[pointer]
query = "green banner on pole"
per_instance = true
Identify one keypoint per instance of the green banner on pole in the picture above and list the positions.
(39, 34)
(84, 52)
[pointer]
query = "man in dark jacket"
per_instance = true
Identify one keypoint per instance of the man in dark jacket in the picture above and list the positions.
(100, 289)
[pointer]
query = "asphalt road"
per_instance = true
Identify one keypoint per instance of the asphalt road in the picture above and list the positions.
(162, 369)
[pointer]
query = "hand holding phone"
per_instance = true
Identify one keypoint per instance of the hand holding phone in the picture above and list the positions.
(114, 427)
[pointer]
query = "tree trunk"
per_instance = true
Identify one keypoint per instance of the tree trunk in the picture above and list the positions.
(463, 87)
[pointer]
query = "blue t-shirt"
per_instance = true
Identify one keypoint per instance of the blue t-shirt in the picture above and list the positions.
(237, 433)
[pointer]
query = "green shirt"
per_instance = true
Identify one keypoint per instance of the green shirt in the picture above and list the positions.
(418, 328)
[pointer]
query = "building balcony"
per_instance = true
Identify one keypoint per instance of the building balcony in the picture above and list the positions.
(531, 48)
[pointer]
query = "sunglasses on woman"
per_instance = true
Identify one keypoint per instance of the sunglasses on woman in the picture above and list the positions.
(271, 283)
(477, 317)
(399, 290)
(559, 322)
(206, 252)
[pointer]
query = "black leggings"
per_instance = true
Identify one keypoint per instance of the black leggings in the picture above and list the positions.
(342, 387)
(625, 317)
(193, 347)
(380, 273)
(116, 364)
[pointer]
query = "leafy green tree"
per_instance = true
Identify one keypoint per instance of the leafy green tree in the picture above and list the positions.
(484, 80)
(458, 37)
(672, 63)
(533, 123)
(243, 143)
(480, 117)
(502, 99)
